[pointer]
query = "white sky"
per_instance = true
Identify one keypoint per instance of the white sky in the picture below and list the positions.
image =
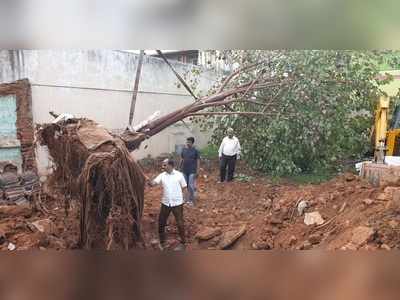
(150, 52)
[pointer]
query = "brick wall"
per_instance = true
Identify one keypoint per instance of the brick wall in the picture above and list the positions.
(25, 130)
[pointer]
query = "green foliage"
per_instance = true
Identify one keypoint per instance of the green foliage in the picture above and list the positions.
(321, 118)
(209, 152)
(243, 177)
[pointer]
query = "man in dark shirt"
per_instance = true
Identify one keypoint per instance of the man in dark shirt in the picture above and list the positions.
(189, 165)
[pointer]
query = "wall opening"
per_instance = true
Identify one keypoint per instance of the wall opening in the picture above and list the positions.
(16, 125)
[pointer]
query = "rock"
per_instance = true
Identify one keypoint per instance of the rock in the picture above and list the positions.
(46, 226)
(385, 247)
(368, 201)
(369, 248)
(154, 243)
(306, 246)
(383, 197)
(275, 220)
(260, 245)
(11, 247)
(292, 240)
(230, 237)
(349, 177)
(207, 233)
(314, 239)
(321, 200)
(277, 207)
(362, 235)
(394, 203)
(349, 246)
(56, 243)
(2, 236)
(393, 224)
(301, 207)
(313, 218)
(391, 190)
(275, 230)
(267, 204)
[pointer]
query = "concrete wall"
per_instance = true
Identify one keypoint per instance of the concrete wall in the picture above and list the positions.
(98, 84)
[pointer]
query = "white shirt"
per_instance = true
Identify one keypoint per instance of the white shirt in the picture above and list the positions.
(229, 146)
(172, 187)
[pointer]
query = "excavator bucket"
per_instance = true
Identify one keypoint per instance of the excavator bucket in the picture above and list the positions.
(380, 174)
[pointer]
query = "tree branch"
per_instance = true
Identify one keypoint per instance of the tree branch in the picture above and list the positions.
(252, 113)
(237, 72)
(176, 74)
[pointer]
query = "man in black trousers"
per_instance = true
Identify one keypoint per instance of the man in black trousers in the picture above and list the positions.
(228, 153)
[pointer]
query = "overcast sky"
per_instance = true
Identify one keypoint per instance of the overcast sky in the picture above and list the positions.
(149, 52)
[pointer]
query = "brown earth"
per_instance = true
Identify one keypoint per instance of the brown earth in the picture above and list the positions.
(356, 216)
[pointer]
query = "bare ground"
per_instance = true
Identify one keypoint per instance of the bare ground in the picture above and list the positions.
(356, 216)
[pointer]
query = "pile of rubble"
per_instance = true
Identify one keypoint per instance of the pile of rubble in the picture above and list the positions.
(15, 188)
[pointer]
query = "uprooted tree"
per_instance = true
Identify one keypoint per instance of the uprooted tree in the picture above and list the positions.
(97, 168)
(299, 109)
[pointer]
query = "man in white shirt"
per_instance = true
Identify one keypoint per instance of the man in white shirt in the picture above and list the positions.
(228, 153)
(172, 182)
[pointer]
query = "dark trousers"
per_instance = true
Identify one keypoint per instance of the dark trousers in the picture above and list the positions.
(165, 211)
(230, 162)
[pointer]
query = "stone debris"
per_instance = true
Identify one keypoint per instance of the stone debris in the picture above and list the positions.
(292, 240)
(362, 235)
(11, 247)
(368, 201)
(315, 239)
(313, 218)
(46, 226)
(230, 237)
(16, 189)
(208, 233)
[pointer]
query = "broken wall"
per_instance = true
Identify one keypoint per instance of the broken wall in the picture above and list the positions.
(98, 84)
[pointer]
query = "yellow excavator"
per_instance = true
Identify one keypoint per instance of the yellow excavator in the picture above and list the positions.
(385, 167)
(386, 133)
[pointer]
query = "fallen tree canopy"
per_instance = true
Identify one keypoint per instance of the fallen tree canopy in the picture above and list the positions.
(96, 167)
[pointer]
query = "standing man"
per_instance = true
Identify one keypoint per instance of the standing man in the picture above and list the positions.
(172, 182)
(228, 153)
(190, 163)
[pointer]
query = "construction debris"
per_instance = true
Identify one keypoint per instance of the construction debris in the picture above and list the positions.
(362, 235)
(46, 226)
(208, 233)
(16, 189)
(313, 218)
(230, 237)
(11, 247)
(238, 206)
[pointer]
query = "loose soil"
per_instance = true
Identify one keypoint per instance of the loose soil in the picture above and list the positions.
(356, 216)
